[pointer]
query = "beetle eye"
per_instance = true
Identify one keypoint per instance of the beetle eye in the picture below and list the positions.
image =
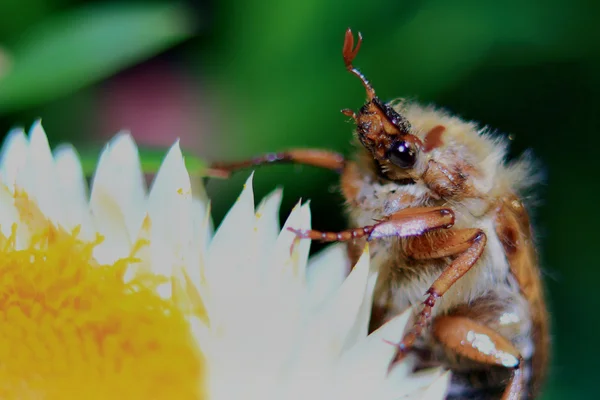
(402, 154)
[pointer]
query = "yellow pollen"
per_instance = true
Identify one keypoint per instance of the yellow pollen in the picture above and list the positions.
(70, 328)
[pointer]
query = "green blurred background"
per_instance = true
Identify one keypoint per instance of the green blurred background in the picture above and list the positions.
(238, 78)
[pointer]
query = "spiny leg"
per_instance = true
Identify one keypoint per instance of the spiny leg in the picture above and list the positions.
(482, 344)
(404, 223)
(468, 244)
(314, 157)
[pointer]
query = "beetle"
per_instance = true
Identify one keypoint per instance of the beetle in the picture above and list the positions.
(449, 232)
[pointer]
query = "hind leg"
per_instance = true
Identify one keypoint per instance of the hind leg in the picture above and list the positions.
(480, 343)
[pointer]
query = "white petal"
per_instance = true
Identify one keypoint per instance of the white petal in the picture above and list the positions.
(379, 341)
(363, 369)
(107, 212)
(233, 233)
(251, 274)
(290, 254)
(326, 272)
(202, 227)
(326, 333)
(70, 172)
(202, 237)
(360, 328)
(38, 177)
(198, 189)
(13, 156)
(267, 228)
(410, 386)
(8, 211)
(401, 381)
(270, 314)
(73, 190)
(119, 177)
(170, 212)
(283, 279)
(230, 257)
(284, 276)
(395, 384)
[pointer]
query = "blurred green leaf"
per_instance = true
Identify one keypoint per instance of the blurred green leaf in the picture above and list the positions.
(151, 160)
(82, 46)
(5, 61)
(15, 14)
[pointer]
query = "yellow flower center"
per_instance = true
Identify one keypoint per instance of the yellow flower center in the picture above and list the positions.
(70, 328)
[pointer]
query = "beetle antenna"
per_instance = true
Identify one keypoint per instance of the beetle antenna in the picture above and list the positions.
(349, 52)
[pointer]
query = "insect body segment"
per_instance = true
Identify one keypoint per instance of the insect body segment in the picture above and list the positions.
(437, 201)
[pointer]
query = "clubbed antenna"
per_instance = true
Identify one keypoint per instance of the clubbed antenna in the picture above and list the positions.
(349, 52)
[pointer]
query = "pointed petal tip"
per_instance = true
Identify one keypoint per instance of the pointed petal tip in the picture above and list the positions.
(66, 158)
(305, 209)
(298, 218)
(16, 136)
(123, 139)
(121, 135)
(64, 148)
(393, 330)
(278, 191)
(37, 132)
(176, 146)
(13, 155)
(238, 221)
(37, 124)
(271, 200)
(249, 184)
(172, 175)
(15, 131)
(174, 154)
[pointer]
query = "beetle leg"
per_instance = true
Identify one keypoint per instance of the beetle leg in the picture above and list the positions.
(404, 223)
(467, 244)
(314, 157)
(482, 344)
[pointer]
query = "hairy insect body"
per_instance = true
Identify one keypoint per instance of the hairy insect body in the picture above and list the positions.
(489, 292)
(440, 206)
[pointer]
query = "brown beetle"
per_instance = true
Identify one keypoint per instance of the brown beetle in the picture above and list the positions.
(448, 230)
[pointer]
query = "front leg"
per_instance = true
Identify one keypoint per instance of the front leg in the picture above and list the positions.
(404, 223)
(314, 157)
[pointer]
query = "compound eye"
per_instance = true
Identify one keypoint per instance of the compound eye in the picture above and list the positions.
(402, 154)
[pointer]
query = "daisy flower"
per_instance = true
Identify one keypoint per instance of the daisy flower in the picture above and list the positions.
(124, 291)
